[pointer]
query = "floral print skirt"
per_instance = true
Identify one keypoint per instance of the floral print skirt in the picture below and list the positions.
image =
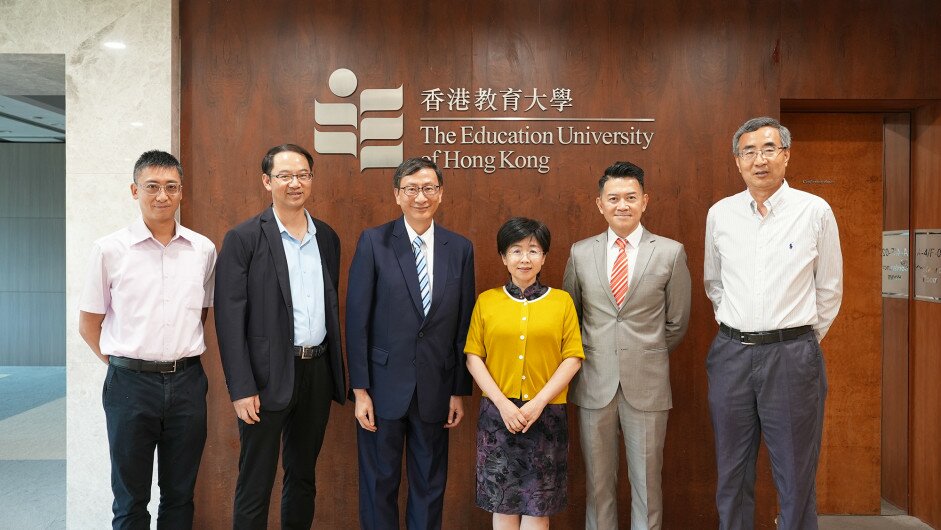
(525, 473)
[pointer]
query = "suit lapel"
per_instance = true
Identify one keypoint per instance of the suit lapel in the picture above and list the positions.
(269, 227)
(322, 243)
(403, 252)
(600, 250)
(440, 268)
(644, 251)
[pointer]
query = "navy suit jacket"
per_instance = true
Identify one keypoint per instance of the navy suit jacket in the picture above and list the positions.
(393, 349)
(254, 314)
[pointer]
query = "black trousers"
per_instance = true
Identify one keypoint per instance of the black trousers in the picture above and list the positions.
(299, 429)
(147, 411)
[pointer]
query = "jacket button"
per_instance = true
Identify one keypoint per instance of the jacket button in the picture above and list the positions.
(421, 334)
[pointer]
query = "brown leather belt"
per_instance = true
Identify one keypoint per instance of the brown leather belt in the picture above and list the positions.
(764, 337)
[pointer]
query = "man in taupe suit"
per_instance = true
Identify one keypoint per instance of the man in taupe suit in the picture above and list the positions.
(632, 292)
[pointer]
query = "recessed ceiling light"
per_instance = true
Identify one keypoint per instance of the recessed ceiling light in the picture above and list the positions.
(115, 45)
(137, 124)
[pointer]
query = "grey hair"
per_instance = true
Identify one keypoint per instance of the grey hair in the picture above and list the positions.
(754, 124)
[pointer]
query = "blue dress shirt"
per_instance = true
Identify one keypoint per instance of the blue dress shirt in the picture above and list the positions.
(306, 274)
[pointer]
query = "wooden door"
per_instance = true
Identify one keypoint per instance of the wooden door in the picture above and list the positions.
(839, 158)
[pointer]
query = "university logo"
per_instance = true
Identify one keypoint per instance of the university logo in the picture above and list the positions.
(343, 84)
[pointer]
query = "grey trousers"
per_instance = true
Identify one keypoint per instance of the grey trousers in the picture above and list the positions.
(644, 433)
(776, 390)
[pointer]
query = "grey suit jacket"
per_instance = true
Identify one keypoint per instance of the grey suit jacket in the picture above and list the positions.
(629, 345)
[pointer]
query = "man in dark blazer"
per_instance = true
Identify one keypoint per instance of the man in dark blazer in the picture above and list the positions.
(277, 320)
(409, 302)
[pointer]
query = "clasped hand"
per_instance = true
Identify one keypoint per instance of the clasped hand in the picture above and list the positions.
(520, 419)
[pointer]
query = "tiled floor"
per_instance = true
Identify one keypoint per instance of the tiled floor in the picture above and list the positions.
(32, 447)
(892, 518)
(32, 457)
(873, 522)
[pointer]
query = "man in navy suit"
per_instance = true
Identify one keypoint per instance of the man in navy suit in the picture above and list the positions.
(278, 324)
(408, 306)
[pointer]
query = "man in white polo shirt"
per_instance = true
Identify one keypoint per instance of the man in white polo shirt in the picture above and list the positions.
(146, 297)
(774, 273)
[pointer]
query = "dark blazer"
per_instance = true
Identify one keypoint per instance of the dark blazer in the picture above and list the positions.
(393, 349)
(254, 316)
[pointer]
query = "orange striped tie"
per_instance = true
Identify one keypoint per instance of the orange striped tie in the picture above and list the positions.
(619, 273)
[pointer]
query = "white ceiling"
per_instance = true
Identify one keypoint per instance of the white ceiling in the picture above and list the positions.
(32, 97)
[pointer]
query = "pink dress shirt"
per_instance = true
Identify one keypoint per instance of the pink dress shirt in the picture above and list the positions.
(152, 296)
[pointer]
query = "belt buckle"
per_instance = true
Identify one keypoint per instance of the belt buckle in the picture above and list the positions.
(307, 353)
(741, 338)
(173, 371)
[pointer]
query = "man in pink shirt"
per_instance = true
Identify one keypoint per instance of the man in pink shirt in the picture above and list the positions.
(148, 291)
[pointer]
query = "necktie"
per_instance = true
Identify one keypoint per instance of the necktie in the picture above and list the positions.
(619, 273)
(423, 283)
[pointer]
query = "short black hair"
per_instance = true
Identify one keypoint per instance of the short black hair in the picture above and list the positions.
(412, 166)
(156, 158)
(267, 163)
(520, 228)
(621, 170)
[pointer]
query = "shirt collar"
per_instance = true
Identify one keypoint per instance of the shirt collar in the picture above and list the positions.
(774, 201)
(531, 293)
(633, 239)
(139, 232)
(427, 237)
(311, 229)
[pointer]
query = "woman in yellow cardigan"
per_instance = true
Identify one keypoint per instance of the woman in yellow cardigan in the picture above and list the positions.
(523, 347)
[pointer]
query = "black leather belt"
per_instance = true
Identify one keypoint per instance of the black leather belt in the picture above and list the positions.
(764, 337)
(162, 367)
(310, 352)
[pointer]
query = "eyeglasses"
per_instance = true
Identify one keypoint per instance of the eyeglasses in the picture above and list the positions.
(412, 191)
(286, 178)
(531, 254)
(768, 153)
(154, 189)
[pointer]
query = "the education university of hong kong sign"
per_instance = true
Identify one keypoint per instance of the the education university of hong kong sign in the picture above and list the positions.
(545, 119)
(343, 83)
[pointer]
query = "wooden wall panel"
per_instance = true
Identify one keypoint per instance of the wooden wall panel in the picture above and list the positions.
(895, 316)
(250, 72)
(897, 168)
(926, 333)
(839, 158)
(860, 50)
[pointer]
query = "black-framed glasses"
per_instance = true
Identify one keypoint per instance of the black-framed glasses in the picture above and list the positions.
(768, 153)
(429, 190)
(154, 189)
(286, 178)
